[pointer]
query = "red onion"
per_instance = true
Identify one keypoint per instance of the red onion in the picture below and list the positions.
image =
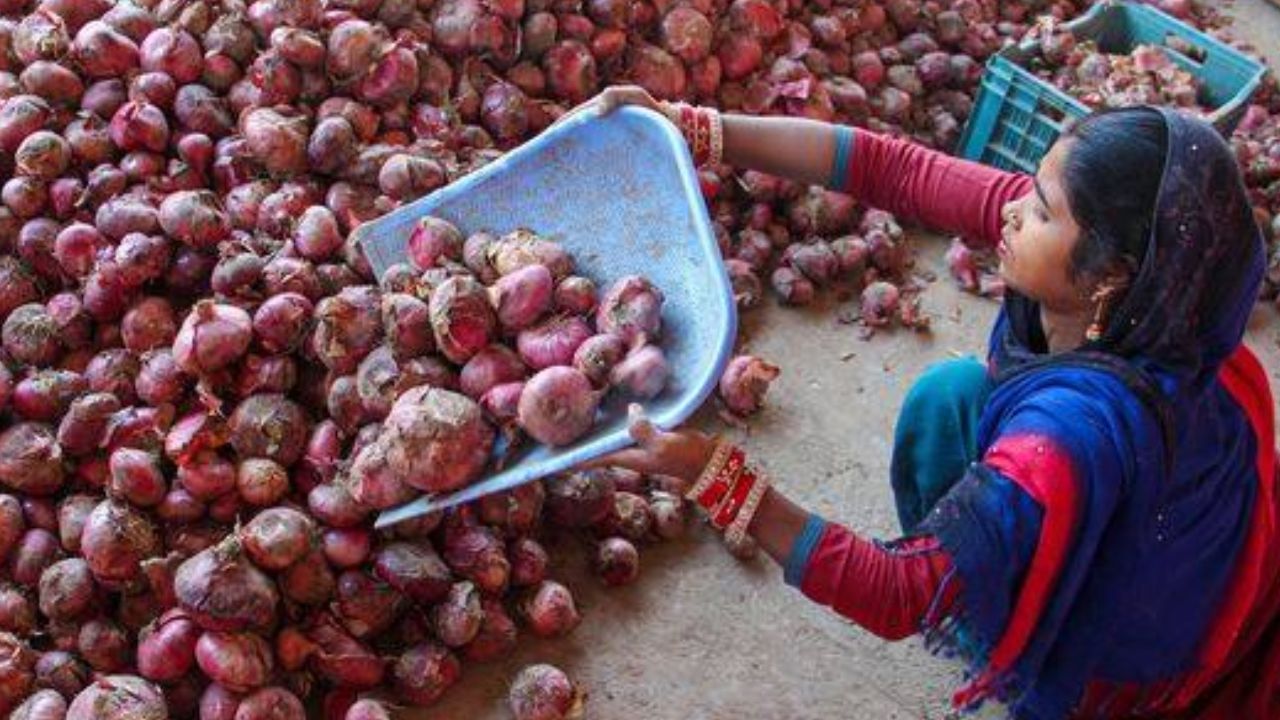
(632, 310)
(366, 607)
(83, 428)
(160, 380)
(432, 241)
(116, 539)
(745, 382)
(529, 562)
(792, 287)
(340, 657)
(17, 611)
(558, 405)
(269, 426)
(277, 140)
(316, 237)
(30, 459)
(155, 88)
(261, 482)
(43, 155)
(114, 371)
(199, 109)
(222, 590)
(495, 365)
(119, 697)
(213, 336)
(282, 322)
(348, 325)
(308, 581)
(367, 710)
(414, 569)
(105, 645)
(194, 217)
(407, 177)
(271, 702)
(266, 374)
(497, 636)
(136, 476)
(571, 71)
(218, 703)
(332, 146)
(76, 248)
(424, 672)
(207, 476)
(140, 126)
(172, 52)
(544, 692)
(31, 336)
(393, 79)
(179, 506)
(67, 590)
(25, 197)
(553, 343)
(149, 325)
(166, 649)
(344, 404)
(643, 373)
(45, 395)
(61, 671)
(239, 662)
(477, 553)
(346, 547)
(549, 610)
(43, 705)
(617, 562)
(278, 537)
(580, 499)
(879, 303)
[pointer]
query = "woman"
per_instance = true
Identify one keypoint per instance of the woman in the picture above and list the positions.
(1090, 517)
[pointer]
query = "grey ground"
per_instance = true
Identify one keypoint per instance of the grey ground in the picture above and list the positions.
(704, 636)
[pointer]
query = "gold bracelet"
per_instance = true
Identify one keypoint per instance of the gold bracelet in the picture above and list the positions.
(718, 458)
(717, 137)
(737, 530)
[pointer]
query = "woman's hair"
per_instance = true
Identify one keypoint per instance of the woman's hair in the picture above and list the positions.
(1112, 179)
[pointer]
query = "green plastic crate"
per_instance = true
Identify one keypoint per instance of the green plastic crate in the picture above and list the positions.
(1018, 116)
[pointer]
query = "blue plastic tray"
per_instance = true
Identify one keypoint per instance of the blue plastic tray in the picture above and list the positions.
(1017, 116)
(620, 193)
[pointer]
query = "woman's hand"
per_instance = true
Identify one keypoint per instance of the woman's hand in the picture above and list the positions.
(682, 453)
(613, 98)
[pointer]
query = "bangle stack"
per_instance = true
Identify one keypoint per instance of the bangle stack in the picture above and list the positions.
(729, 491)
(702, 129)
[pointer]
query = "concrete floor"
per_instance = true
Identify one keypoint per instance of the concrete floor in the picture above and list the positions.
(704, 636)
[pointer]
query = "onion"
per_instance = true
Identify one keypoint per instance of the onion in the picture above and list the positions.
(269, 426)
(277, 140)
(308, 581)
(222, 590)
(43, 705)
(495, 365)
(366, 607)
(136, 476)
(239, 662)
(166, 649)
(461, 317)
(30, 459)
(571, 71)
(213, 336)
(271, 702)
(193, 217)
(424, 672)
(745, 382)
(61, 671)
(544, 692)
(558, 405)
(341, 658)
(119, 697)
(348, 326)
(549, 610)
(432, 241)
(17, 611)
(643, 373)
(115, 541)
(172, 52)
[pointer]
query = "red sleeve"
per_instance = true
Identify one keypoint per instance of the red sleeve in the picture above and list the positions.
(890, 591)
(929, 187)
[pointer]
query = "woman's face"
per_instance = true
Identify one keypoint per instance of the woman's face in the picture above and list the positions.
(1038, 237)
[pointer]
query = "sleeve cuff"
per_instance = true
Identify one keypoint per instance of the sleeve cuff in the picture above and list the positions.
(840, 162)
(802, 549)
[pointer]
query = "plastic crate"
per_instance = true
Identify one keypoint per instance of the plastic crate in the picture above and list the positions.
(1018, 116)
(620, 193)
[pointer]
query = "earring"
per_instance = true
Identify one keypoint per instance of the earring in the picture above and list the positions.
(1102, 296)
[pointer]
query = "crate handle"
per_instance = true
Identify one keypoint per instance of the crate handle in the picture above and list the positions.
(1185, 47)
